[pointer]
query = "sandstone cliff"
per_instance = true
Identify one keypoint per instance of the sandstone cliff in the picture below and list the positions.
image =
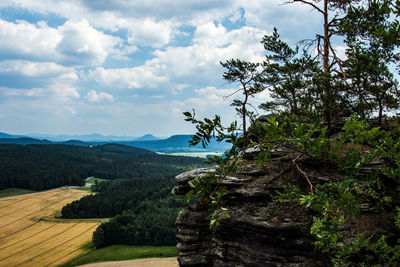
(259, 232)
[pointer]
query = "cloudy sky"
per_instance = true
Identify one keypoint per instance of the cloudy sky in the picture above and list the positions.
(128, 67)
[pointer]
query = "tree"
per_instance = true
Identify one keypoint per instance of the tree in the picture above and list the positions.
(288, 77)
(247, 74)
(372, 39)
(330, 61)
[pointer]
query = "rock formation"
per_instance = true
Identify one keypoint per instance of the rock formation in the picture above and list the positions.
(259, 232)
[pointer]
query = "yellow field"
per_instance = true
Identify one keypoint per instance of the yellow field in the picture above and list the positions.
(29, 234)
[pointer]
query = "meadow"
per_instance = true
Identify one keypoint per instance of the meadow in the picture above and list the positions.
(31, 235)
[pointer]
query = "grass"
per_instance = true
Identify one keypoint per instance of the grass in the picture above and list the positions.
(92, 180)
(14, 191)
(87, 189)
(121, 252)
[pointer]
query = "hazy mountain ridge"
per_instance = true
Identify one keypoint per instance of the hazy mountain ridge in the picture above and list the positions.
(173, 144)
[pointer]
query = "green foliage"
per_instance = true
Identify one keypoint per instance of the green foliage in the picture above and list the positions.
(289, 78)
(208, 188)
(372, 37)
(337, 201)
(248, 75)
(290, 194)
(144, 211)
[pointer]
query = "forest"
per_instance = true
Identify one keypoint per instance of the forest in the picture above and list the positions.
(144, 210)
(40, 167)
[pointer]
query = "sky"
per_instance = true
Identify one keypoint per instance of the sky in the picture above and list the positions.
(128, 67)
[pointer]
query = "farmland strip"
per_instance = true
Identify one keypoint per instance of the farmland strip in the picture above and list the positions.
(35, 212)
(38, 200)
(63, 244)
(38, 243)
(51, 226)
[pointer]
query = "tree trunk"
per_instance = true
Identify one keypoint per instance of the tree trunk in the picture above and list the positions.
(325, 62)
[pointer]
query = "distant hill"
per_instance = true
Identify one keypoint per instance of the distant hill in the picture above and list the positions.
(147, 137)
(122, 149)
(5, 135)
(85, 138)
(74, 143)
(173, 144)
(177, 143)
(25, 141)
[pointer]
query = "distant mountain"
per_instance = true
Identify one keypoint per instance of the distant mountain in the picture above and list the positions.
(177, 143)
(5, 135)
(173, 144)
(25, 141)
(86, 138)
(147, 137)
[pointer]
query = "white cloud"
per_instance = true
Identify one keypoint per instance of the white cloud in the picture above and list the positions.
(73, 43)
(93, 96)
(137, 77)
(81, 44)
(66, 91)
(28, 40)
(70, 109)
(36, 69)
(150, 33)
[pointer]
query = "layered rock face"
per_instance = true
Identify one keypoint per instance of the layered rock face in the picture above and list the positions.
(258, 233)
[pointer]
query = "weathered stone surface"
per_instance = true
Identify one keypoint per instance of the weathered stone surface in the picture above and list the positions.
(260, 232)
(182, 180)
(252, 236)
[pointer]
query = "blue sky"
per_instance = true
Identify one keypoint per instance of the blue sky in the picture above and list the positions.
(130, 67)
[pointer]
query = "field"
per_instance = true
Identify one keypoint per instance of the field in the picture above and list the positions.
(92, 180)
(30, 235)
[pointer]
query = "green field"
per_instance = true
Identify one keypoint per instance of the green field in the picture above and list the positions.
(122, 252)
(87, 189)
(92, 180)
(14, 191)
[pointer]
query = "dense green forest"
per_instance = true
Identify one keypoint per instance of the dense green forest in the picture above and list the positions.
(40, 167)
(144, 210)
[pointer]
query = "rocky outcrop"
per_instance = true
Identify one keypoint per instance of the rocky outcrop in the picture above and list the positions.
(260, 231)
(256, 234)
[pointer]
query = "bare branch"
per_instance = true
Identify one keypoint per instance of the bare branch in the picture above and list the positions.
(337, 60)
(226, 97)
(303, 173)
(307, 3)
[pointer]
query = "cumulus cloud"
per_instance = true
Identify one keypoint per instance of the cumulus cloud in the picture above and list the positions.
(36, 69)
(73, 43)
(150, 33)
(81, 44)
(27, 40)
(93, 96)
(137, 77)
